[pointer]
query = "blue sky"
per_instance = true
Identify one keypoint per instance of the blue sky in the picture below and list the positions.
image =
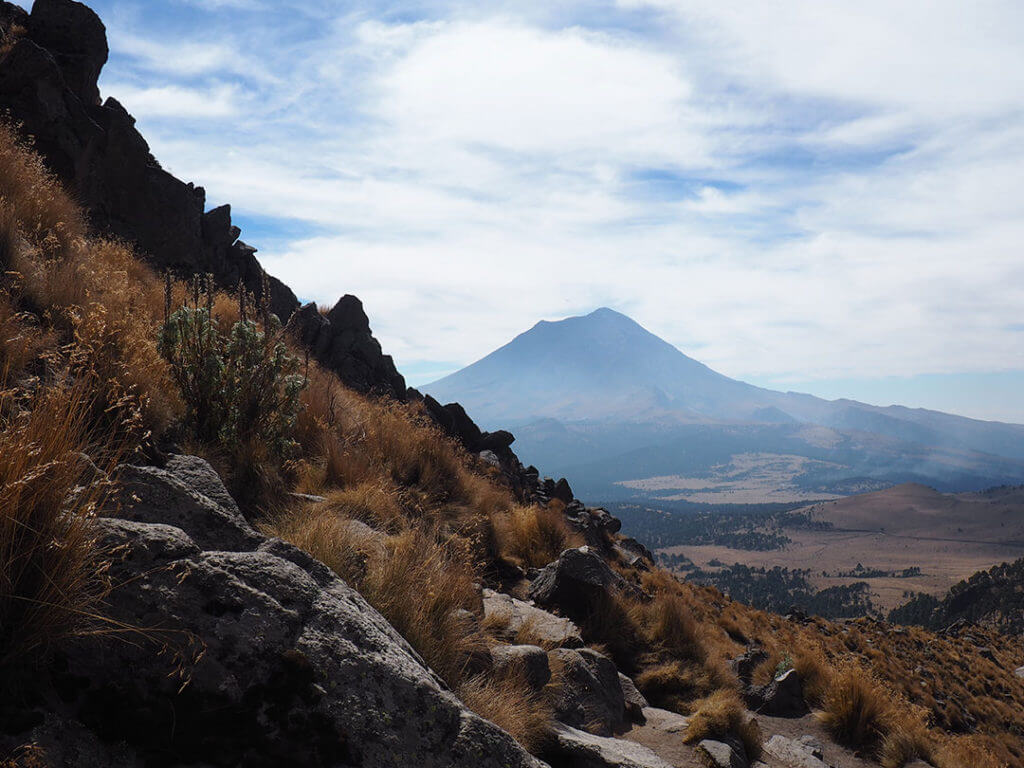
(808, 194)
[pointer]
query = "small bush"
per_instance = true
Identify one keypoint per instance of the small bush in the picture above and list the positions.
(238, 387)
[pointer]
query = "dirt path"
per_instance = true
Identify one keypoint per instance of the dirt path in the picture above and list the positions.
(663, 735)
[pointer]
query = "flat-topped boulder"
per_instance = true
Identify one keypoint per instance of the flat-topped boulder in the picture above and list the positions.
(519, 620)
(578, 749)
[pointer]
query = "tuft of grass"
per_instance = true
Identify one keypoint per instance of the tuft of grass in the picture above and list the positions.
(856, 710)
(533, 536)
(507, 700)
(670, 626)
(815, 674)
(50, 570)
(964, 751)
(723, 714)
(907, 739)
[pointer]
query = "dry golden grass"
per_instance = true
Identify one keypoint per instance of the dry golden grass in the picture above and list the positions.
(815, 674)
(670, 626)
(673, 685)
(46, 216)
(533, 536)
(507, 700)
(352, 439)
(88, 303)
(963, 751)
(906, 739)
(723, 714)
(856, 710)
(21, 339)
(50, 569)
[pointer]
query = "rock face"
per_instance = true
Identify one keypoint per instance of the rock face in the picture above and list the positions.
(48, 85)
(268, 659)
(343, 342)
(782, 697)
(574, 581)
(634, 700)
(590, 695)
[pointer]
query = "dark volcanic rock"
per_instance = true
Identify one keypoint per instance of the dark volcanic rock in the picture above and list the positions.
(343, 342)
(576, 582)
(590, 695)
(782, 697)
(48, 86)
(257, 656)
(78, 41)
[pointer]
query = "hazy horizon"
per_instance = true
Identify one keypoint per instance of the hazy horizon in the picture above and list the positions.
(951, 393)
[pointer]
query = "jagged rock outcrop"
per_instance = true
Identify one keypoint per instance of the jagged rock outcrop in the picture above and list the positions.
(342, 341)
(246, 651)
(48, 85)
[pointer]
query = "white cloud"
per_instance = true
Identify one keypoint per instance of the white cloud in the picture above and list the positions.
(178, 101)
(796, 189)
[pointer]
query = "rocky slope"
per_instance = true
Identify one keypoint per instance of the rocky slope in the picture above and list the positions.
(223, 645)
(236, 649)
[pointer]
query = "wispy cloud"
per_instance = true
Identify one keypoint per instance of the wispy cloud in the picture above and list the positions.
(176, 101)
(798, 189)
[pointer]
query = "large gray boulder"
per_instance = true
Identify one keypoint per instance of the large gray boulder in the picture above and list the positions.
(578, 749)
(794, 753)
(530, 660)
(573, 581)
(187, 494)
(244, 650)
(724, 752)
(515, 618)
(590, 695)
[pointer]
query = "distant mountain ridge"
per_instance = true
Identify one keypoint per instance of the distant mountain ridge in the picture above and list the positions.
(599, 394)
